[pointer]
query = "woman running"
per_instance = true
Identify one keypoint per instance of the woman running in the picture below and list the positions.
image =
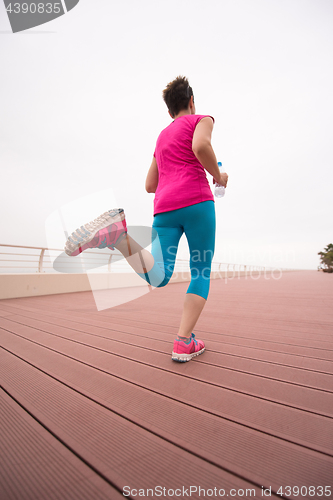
(183, 203)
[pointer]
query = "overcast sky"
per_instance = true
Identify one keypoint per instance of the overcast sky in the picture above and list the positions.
(81, 110)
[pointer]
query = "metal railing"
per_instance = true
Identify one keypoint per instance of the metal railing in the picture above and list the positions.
(26, 259)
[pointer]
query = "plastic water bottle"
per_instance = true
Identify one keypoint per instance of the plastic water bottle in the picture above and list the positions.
(219, 190)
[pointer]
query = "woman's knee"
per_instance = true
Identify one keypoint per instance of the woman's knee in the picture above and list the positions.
(200, 282)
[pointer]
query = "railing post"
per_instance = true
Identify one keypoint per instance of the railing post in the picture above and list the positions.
(109, 263)
(40, 264)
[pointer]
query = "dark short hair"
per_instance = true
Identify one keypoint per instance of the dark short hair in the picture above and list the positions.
(177, 95)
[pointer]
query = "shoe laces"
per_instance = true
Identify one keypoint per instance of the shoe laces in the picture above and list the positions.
(194, 339)
(103, 243)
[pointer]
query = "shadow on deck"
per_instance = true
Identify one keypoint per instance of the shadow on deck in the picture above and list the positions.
(93, 407)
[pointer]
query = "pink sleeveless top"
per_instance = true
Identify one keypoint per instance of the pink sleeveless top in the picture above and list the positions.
(182, 180)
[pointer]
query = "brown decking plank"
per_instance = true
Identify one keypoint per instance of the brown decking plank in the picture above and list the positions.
(122, 451)
(34, 464)
(287, 423)
(281, 392)
(88, 333)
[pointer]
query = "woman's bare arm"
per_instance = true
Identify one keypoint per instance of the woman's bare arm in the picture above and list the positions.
(152, 177)
(202, 148)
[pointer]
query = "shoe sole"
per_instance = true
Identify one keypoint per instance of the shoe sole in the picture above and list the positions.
(183, 358)
(115, 215)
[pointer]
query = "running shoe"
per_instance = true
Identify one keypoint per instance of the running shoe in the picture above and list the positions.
(183, 352)
(105, 231)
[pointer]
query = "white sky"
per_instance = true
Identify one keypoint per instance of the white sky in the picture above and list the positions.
(81, 108)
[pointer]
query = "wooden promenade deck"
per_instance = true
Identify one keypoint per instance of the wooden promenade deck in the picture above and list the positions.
(92, 403)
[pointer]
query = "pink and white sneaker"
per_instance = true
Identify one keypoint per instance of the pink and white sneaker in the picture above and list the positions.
(183, 352)
(105, 231)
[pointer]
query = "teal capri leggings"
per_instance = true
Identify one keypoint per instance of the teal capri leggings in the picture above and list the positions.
(198, 223)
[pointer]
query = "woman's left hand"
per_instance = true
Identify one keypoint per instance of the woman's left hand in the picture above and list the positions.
(223, 181)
